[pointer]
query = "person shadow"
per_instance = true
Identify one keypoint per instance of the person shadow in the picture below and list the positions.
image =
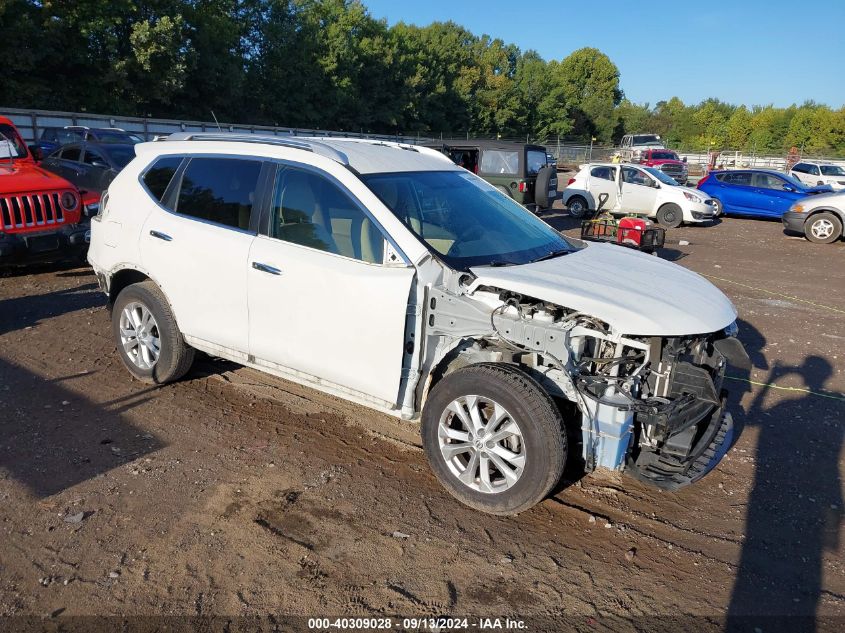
(795, 506)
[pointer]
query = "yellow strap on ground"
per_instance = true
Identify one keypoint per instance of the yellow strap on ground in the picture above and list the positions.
(831, 396)
(776, 294)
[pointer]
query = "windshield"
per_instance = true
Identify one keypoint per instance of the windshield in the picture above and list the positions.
(793, 181)
(832, 170)
(664, 155)
(11, 145)
(465, 221)
(121, 156)
(666, 180)
(646, 139)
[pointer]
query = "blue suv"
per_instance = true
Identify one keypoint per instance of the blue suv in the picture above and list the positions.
(759, 192)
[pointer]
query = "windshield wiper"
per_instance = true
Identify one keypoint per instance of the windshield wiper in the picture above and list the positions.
(552, 255)
(502, 263)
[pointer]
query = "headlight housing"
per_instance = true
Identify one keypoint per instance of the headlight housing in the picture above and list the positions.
(69, 200)
(692, 197)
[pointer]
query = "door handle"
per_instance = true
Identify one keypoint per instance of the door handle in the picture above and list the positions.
(161, 236)
(264, 268)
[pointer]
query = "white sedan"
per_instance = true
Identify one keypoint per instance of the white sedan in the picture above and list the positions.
(637, 190)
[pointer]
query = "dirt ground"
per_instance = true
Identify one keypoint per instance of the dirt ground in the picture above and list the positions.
(233, 493)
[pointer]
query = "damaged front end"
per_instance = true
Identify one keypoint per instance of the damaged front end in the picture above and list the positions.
(651, 406)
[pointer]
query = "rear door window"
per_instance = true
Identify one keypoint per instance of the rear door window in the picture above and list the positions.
(92, 157)
(219, 190)
(606, 173)
(499, 162)
(158, 176)
(736, 178)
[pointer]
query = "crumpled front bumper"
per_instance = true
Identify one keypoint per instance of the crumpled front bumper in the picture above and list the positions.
(690, 451)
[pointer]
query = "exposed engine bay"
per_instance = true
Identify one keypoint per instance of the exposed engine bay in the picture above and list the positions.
(651, 406)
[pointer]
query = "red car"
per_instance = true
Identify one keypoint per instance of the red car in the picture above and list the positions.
(666, 161)
(42, 216)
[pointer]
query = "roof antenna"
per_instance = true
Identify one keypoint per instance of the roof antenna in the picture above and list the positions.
(216, 122)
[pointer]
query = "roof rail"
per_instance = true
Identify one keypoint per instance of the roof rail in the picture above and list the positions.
(308, 145)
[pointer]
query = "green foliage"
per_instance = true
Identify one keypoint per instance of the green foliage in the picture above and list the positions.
(329, 64)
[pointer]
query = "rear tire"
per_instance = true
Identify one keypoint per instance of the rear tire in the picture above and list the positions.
(670, 216)
(494, 438)
(577, 206)
(720, 209)
(147, 337)
(823, 228)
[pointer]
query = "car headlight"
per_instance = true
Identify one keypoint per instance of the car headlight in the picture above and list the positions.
(797, 208)
(69, 200)
(692, 197)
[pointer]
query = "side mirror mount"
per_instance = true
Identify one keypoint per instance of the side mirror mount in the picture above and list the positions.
(788, 188)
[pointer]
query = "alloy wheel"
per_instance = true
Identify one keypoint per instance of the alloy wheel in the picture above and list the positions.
(822, 229)
(139, 335)
(481, 444)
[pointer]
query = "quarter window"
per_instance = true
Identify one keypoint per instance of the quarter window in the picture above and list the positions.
(219, 190)
(160, 174)
(499, 162)
(71, 154)
(310, 210)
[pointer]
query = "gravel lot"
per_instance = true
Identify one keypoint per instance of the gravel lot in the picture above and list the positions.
(233, 493)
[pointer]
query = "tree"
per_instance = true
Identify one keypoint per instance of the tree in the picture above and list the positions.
(590, 86)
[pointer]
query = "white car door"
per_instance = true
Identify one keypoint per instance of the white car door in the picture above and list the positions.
(602, 179)
(197, 250)
(639, 193)
(321, 301)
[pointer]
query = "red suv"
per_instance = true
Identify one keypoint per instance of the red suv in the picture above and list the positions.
(41, 214)
(666, 161)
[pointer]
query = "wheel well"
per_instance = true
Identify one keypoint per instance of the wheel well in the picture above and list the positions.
(666, 204)
(122, 279)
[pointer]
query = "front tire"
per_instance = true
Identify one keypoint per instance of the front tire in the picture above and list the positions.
(577, 206)
(148, 340)
(494, 438)
(670, 216)
(823, 228)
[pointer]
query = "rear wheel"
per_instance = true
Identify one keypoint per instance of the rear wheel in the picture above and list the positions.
(823, 228)
(493, 438)
(720, 210)
(577, 206)
(148, 340)
(670, 216)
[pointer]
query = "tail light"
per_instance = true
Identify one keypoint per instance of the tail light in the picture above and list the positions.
(571, 180)
(523, 187)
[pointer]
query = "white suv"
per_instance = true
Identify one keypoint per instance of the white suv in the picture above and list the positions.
(645, 191)
(387, 275)
(815, 173)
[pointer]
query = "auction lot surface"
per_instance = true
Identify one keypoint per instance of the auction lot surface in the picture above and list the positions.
(234, 493)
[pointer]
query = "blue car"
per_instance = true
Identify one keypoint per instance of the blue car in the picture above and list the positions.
(759, 192)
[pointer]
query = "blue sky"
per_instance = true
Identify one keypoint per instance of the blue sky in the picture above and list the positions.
(745, 51)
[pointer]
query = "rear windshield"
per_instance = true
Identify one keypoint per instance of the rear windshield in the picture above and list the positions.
(121, 155)
(495, 161)
(535, 161)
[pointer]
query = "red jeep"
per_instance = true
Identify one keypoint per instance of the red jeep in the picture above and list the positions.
(666, 161)
(41, 214)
